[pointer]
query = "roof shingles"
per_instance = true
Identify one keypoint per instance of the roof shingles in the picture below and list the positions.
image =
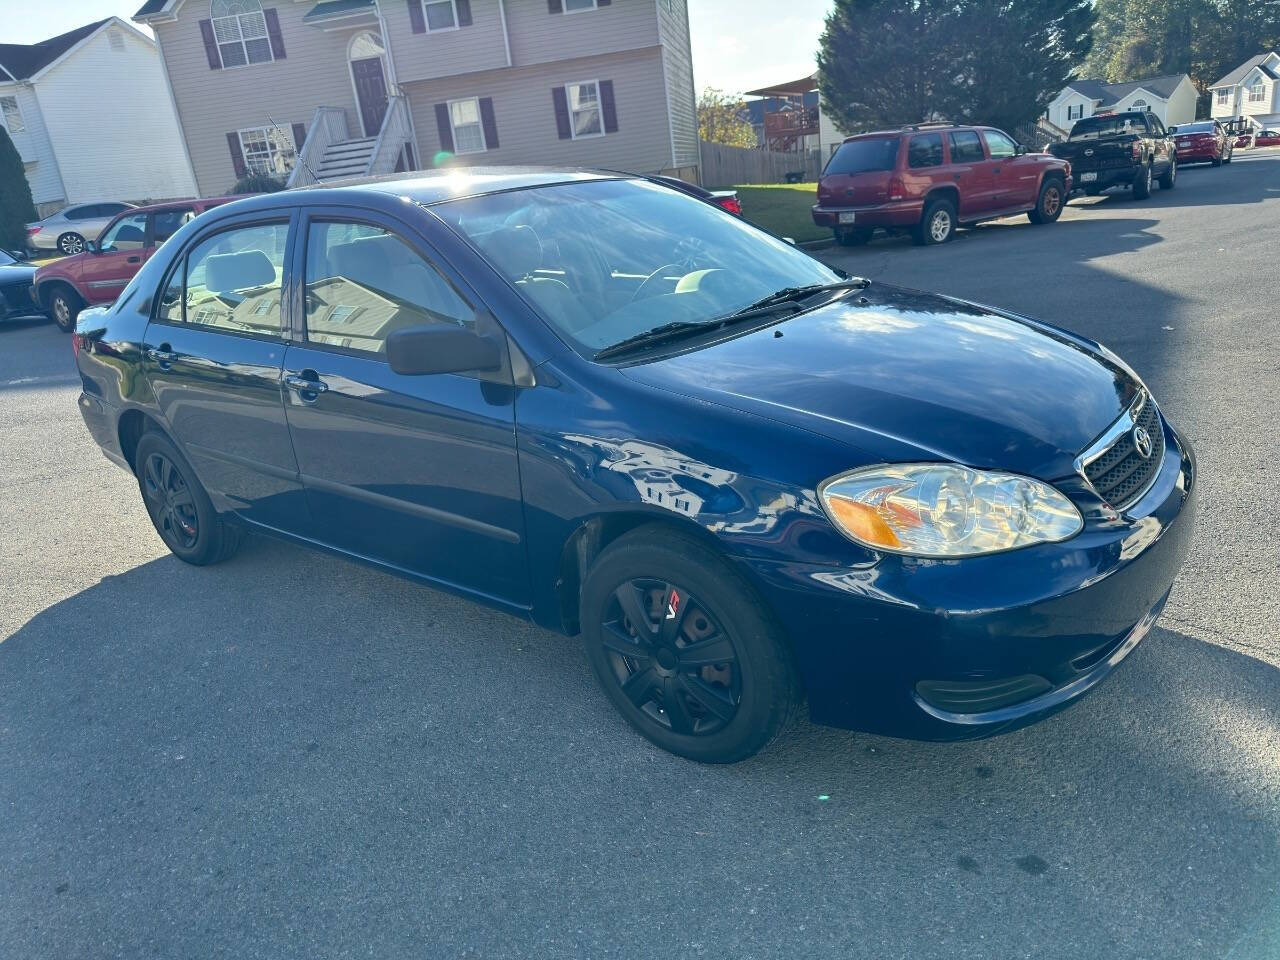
(24, 60)
(1109, 93)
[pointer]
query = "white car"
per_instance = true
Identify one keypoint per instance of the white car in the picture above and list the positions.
(67, 230)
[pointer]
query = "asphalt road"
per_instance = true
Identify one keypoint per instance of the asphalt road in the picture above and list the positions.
(292, 756)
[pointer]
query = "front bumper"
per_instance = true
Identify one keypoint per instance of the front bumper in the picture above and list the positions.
(962, 649)
(898, 213)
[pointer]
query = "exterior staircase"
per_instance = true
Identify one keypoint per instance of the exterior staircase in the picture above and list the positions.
(329, 153)
(346, 158)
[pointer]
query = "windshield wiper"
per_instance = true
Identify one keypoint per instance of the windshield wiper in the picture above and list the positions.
(784, 299)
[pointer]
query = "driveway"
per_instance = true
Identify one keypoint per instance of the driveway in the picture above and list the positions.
(292, 756)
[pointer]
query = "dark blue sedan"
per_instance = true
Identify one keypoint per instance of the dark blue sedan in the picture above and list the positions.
(745, 478)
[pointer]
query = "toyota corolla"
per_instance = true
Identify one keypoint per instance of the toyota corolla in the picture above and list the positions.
(748, 480)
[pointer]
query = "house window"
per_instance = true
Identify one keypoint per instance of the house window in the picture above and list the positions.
(441, 14)
(268, 150)
(1257, 93)
(584, 109)
(240, 29)
(577, 6)
(1075, 112)
(1224, 97)
(468, 131)
(12, 114)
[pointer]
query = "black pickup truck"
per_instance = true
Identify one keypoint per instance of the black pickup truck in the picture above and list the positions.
(1119, 149)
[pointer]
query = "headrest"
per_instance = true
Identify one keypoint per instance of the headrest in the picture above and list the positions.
(226, 272)
(515, 250)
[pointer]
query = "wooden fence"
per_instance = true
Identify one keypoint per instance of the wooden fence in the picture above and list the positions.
(724, 166)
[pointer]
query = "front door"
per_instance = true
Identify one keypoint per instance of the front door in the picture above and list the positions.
(212, 354)
(371, 93)
(416, 471)
(117, 256)
(1017, 177)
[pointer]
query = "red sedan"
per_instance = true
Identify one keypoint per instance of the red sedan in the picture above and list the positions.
(65, 287)
(1267, 138)
(1203, 142)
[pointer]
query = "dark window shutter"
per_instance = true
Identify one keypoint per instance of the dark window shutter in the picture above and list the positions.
(416, 20)
(273, 32)
(237, 154)
(210, 45)
(444, 127)
(555, 6)
(299, 136)
(608, 109)
(562, 112)
(489, 123)
(464, 13)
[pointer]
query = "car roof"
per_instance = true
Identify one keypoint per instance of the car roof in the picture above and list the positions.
(919, 128)
(180, 204)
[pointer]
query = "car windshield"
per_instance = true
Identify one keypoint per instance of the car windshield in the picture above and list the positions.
(864, 156)
(604, 261)
(5, 259)
(1090, 128)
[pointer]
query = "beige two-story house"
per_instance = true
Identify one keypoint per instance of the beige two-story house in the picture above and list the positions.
(323, 89)
(1250, 92)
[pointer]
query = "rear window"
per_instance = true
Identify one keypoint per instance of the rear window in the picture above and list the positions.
(1195, 128)
(1090, 128)
(864, 156)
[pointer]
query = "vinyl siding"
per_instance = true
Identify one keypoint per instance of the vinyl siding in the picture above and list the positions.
(35, 149)
(421, 56)
(212, 103)
(126, 146)
(1228, 110)
(526, 120)
(1074, 100)
(673, 27)
(538, 36)
(1182, 105)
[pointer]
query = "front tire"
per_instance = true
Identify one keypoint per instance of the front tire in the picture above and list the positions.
(938, 225)
(64, 307)
(71, 243)
(685, 649)
(178, 505)
(1170, 176)
(1049, 203)
(1142, 182)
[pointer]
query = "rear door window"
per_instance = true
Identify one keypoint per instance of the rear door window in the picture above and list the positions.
(925, 151)
(864, 156)
(165, 223)
(966, 147)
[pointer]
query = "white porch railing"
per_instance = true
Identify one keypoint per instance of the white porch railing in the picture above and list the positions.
(328, 126)
(395, 134)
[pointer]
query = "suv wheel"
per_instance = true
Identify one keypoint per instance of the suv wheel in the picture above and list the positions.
(1049, 204)
(938, 225)
(1170, 176)
(854, 236)
(64, 306)
(1142, 183)
(71, 244)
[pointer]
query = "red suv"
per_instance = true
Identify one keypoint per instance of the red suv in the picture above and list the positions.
(1203, 142)
(67, 286)
(930, 178)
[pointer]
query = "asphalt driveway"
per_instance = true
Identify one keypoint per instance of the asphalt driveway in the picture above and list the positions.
(293, 756)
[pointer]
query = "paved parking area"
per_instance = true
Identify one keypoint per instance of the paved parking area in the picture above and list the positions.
(292, 756)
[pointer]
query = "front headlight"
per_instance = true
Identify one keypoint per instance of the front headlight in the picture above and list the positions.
(943, 510)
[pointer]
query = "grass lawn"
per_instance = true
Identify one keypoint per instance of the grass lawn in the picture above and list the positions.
(783, 208)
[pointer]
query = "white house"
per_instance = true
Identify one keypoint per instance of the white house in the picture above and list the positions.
(90, 115)
(1171, 98)
(1251, 91)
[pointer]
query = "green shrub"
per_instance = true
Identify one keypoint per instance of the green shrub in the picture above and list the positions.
(258, 183)
(16, 206)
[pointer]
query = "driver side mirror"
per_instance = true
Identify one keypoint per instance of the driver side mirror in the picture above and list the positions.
(441, 349)
(1019, 149)
(1171, 130)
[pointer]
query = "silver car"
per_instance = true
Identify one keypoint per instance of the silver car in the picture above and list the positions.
(67, 230)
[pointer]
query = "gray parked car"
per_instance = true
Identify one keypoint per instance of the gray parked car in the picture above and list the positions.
(67, 230)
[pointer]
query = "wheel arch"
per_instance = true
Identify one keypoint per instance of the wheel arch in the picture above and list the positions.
(943, 191)
(45, 289)
(133, 423)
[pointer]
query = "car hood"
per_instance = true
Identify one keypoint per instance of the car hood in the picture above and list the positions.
(901, 375)
(11, 273)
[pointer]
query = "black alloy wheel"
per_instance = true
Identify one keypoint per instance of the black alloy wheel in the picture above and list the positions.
(670, 657)
(170, 502)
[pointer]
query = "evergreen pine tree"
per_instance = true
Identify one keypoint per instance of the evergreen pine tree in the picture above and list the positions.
(16, 207)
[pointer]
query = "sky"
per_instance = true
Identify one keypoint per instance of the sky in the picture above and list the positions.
(737, 44)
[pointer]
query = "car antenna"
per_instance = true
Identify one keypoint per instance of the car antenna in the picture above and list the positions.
(306, 166)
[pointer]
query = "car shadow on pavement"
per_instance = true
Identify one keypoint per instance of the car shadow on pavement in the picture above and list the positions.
(291, 755)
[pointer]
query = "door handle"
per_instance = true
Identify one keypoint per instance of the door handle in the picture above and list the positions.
(162, 356)
(305, 385)
(134, 260)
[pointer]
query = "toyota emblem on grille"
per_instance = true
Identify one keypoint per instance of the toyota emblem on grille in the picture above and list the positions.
(1142, 442)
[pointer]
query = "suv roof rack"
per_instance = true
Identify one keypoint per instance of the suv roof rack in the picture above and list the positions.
(932, 123)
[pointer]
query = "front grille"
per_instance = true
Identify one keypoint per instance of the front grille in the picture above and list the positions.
(1120, 474)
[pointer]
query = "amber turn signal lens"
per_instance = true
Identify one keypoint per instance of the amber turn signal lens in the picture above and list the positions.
(863, 522)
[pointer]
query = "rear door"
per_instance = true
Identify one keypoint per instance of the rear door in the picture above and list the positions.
(415, 471)
(213, 354)
(119, 254)
(971, 172)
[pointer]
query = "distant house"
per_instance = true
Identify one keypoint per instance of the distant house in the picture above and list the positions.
(1172, 98)
(1250, 92)
(90, 114)
(791, 117)
(307, 89)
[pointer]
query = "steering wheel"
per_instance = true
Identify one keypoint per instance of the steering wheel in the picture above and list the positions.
(649, 285)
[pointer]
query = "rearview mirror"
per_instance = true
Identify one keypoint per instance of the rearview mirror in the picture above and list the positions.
(441, 349)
